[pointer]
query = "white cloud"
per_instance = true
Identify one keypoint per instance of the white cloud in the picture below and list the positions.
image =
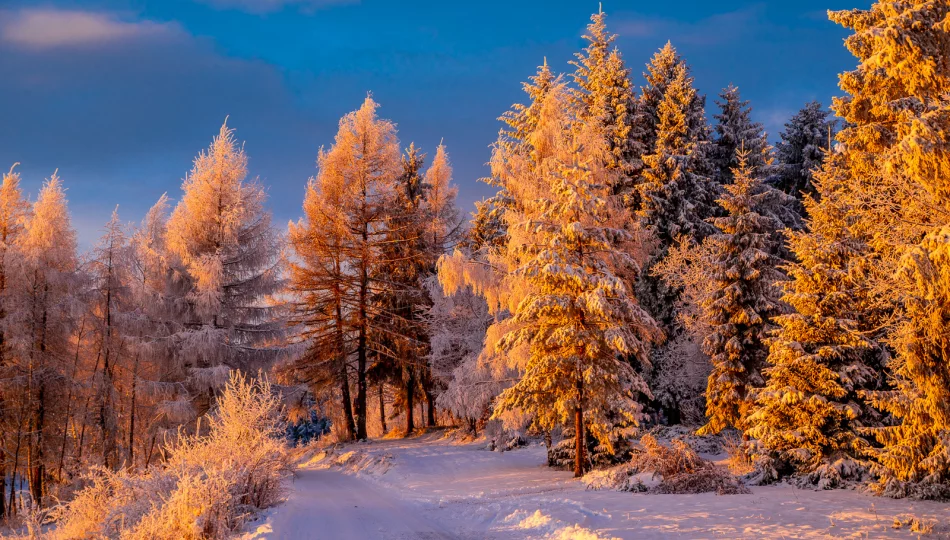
(264, 6)
(54, 28)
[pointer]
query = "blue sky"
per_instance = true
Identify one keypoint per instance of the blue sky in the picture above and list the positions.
(120, 95)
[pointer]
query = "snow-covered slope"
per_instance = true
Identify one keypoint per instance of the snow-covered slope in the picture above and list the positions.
(432, 489)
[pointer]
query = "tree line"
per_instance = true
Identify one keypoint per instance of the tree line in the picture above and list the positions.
(637, 265)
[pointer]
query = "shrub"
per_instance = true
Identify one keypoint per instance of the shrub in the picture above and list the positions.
(206, 490)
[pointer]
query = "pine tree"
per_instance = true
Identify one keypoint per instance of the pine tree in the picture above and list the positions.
(802, 150)
(823, 356)
(579, 317)
(734, 131)
(228, 255)
(605, 96)
(744, 300)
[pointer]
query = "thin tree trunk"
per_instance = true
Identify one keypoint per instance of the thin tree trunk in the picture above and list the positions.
(579, 430)
(135, 374)
(430, 406)
(347, 402)
(382, 409)
(16, 465)
(410, 405)
(69, 402)
(361, 351)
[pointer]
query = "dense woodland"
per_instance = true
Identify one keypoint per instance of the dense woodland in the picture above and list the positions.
(648, 258)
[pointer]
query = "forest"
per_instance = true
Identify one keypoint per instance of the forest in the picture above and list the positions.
(648, 259)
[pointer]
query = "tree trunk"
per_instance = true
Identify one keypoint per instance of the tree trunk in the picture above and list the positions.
(410, 402)
(348, 423)
(361, 350)
(135, 374)
(382, 409)
(579, 457)
(430, 405)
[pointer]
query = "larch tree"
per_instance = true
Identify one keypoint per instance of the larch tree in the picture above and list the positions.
(318, 280)
(744, 299)
(823, 356)
(362, 167)
(579, 319)
(46, 297)
(14, 212)
(734, 131)
(228, 256)
(805, 143)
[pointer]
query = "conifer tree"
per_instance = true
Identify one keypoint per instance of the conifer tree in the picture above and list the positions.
(605, 96)
(360, 170)
(578, 317)
(675, 199)
(743, 301)
(661, 71)
(823, 357)
(228, 255)
(803, 148)
(894, 155)
(14, 212)
(46, 293)
(734, 131)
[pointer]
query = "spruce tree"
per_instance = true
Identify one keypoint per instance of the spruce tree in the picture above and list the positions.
(823, 357)
(605, 96)
(894, 153)
(743, 302)
(803, 148)
(734, 131)
(663, 68)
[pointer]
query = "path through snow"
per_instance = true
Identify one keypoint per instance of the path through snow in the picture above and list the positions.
(426, 488)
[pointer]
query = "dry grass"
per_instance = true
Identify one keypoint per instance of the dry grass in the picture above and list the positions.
(740, 460)
(208, 488)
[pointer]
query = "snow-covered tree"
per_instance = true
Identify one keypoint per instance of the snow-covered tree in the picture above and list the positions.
(45, 294)
(580, 318)
(739, 310)
(734, 131)
(352, 197)
(675, 198)
(663, 68)
(605, 95)
(894, 155)
(228, 256)
(14, 212)
(823, 356)
(802, 150)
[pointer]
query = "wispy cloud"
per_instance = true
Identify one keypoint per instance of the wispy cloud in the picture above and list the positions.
(715, 29)
(265, 6)
(54, 28)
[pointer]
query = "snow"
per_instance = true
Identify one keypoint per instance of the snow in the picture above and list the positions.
(429, 487)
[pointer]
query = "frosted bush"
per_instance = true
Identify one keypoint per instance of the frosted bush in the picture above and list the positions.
(208, 487)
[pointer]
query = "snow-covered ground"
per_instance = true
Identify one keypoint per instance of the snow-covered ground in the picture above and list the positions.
(428, 488)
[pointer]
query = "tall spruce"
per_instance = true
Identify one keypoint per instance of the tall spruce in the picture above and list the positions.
(605, 95)
(805, 144)
(743, 302)
(734, 131)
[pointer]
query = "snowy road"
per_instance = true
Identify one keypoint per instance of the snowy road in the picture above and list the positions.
(330, 505)
(426, 488)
